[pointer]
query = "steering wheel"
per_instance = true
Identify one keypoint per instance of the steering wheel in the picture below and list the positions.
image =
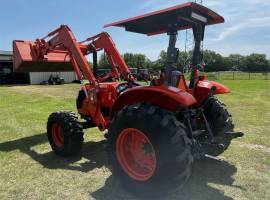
(122, 87)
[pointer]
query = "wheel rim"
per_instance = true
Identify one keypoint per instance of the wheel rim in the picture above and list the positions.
(57, 135)
(136, 154)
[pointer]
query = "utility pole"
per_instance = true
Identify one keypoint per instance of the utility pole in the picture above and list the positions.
(189, 45)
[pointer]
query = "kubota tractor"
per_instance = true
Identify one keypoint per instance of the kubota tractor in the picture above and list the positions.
(154, 132)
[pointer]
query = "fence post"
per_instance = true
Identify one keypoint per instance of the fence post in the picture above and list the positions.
(233, 75)
(249, 75)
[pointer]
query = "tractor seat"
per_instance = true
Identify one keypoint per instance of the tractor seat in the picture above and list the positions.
(178, 80)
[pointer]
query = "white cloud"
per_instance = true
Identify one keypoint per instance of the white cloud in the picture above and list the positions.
(248, 24)
(230, 31)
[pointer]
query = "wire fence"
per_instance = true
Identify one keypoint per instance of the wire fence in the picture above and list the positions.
(238, 75)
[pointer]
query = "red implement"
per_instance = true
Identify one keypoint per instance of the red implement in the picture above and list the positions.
(26, 58)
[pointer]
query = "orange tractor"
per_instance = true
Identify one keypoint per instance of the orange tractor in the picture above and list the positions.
(154, 132)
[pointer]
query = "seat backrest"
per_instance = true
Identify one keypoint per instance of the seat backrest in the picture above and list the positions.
(181, 83)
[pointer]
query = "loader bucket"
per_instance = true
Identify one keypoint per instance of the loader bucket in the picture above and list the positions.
(26, 60)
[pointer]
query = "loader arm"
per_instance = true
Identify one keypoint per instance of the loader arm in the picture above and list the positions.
(104, 41)
(60, 50)
(63, 39)
(61, 47)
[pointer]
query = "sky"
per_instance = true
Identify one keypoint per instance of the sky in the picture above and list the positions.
(246, 29)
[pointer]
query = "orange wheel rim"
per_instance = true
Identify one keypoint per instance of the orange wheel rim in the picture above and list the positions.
(57, 135)
(136, 154)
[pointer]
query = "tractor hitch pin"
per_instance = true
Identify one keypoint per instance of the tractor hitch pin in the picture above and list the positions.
(235, 135)
(199, 152)
(213, 158)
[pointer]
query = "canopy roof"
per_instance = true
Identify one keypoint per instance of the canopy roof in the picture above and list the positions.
(182, 16)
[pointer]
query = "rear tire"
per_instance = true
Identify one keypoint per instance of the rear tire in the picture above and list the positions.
(221, 122)
(169, 144)
(65, 133)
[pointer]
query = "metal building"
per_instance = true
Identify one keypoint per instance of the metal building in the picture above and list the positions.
(7, 76)
(38, 77)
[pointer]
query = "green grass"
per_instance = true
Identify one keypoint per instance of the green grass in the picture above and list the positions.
(29, 170)
(238, 76)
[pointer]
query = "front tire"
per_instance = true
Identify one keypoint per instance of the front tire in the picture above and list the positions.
(65, 133)
(148, 150)
(221, 122)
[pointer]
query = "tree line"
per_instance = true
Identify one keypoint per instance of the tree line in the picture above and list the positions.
(213, 62)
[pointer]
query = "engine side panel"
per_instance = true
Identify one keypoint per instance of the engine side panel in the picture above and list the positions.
(108, 94)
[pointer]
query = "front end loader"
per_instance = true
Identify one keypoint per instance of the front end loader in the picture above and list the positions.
(153, 132)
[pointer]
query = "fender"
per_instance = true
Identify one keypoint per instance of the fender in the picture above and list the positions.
(169, 98)
(203, 88)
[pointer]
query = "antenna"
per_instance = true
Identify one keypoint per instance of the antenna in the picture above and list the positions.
(189, 44)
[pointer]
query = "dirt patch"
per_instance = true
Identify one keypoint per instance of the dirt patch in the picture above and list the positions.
(257, 147)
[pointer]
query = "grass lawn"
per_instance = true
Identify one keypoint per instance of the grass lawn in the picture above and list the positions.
(29, 170)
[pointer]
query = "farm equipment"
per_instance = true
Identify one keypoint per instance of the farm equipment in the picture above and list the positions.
(140, 74)
(154, 132)
(56, 80)
(143, 75)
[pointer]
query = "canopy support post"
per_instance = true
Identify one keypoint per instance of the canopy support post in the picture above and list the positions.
(172, 54)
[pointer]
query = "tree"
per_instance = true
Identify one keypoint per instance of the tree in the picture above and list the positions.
(237, 62)
(161, 61)
(103, 61)
(257, 62)
(182, 60)
(213, 61)
(137, 60)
